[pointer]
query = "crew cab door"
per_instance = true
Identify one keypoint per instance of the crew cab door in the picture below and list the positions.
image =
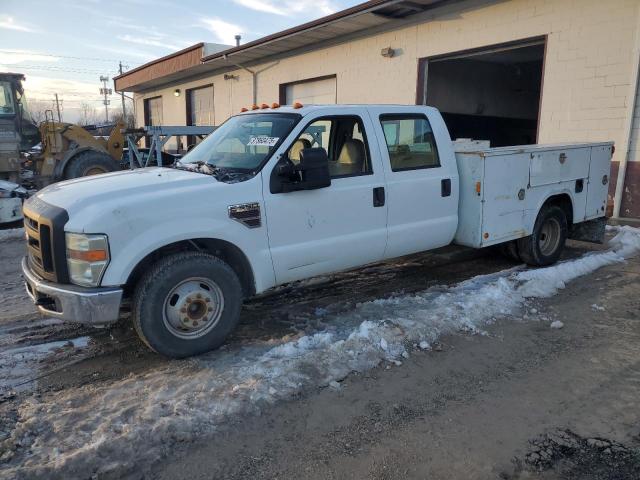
(344, 225)
(421, 175)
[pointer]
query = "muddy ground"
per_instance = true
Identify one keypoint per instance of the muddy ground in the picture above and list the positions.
(524, 401)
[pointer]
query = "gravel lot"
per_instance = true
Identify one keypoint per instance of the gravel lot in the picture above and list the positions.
(517, 400)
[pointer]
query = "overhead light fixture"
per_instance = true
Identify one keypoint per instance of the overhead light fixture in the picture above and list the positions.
(387, 52)
(176, 92)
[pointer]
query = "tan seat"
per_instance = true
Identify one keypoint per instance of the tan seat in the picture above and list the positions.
(351, 159)
(297, 147)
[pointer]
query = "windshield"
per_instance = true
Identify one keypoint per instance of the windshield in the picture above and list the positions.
(6, 99)
(243, 142)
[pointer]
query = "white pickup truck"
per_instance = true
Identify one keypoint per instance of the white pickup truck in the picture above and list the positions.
(287, 193)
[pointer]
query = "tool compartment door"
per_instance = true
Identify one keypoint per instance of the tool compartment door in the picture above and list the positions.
(559, 165)
(504, 197)
(598, 184)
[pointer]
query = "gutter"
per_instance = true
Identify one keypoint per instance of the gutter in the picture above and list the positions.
(633, 92)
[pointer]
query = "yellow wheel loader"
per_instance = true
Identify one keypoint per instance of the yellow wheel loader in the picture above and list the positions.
(65, 150)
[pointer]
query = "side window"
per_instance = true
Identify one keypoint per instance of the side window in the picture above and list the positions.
(410, 142)
(343, 139)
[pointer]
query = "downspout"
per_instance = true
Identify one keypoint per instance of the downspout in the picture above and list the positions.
(633, 92)
(254, 76)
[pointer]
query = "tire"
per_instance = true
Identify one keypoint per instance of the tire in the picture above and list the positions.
(544, 246)
(90, 162)
(510, 250)
(187, 304)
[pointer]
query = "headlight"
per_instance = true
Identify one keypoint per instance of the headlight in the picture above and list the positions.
(87, 258)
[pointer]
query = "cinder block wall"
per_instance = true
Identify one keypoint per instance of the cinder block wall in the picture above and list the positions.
(587, 69)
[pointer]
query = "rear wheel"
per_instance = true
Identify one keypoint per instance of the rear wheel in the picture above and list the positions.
(544, 246)
(90, 162)
(187, 304)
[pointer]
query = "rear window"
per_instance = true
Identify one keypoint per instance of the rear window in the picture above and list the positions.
(410, 142)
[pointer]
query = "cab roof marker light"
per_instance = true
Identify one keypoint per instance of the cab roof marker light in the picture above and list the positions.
(297, 105)
(264, 105)
(244, 109)
(255, 107)
(275, 105)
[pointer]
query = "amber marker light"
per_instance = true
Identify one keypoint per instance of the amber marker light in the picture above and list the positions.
(297, 105)
(255, 107)
(275, 105)
(244, 109)
(88, 255)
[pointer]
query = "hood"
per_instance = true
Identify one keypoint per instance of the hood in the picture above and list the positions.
(124, 188)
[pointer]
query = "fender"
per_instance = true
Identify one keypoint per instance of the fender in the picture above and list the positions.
(531, 215)
(127, 250)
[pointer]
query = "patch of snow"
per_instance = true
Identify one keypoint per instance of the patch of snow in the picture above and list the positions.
(425, 345)
(557, 324)
(137, 418)
(11, 234)
(597, 307)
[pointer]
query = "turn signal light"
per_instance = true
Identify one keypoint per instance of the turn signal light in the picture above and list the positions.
(88, 255)
(478, 187)
(297, 105)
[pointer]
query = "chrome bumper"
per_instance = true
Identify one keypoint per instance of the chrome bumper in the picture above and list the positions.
(95, 306)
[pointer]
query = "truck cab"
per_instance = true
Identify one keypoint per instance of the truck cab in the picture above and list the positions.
(272, 196)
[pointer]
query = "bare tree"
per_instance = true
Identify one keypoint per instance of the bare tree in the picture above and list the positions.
(88, 114)
(37, 109)
(129, 119)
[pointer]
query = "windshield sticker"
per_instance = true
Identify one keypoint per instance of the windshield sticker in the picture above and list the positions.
(263, 141)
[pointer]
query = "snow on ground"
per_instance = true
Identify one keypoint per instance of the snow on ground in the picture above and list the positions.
(11, 234)
(130, 423)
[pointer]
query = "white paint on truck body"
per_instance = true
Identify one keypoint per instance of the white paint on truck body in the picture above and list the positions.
(503, 189)
(314, 232)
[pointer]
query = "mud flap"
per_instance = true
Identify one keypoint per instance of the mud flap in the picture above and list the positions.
(589, 231)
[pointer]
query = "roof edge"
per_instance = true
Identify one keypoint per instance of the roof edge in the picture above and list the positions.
(362, 7)
(161, 59)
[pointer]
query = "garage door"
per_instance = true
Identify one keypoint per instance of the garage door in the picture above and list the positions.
(311, 92)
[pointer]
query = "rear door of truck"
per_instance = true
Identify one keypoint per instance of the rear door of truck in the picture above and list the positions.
(421, 178)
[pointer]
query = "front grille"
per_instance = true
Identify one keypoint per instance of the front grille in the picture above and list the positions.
(44, 226)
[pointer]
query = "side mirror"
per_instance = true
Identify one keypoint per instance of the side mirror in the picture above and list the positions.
(314, 168)
(310, 174)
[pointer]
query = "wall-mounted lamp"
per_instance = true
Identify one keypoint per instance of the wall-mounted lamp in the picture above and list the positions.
(387, 52)
(176, 92)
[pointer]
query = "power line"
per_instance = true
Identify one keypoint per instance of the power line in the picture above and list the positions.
(63, 69)
(17, 52)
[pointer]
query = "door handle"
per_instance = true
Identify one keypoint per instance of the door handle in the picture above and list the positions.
(378, 197)
(445, 187)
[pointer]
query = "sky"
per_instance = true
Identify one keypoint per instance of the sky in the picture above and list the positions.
(64, 46)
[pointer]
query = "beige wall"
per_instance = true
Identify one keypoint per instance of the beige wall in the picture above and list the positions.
(587, 73)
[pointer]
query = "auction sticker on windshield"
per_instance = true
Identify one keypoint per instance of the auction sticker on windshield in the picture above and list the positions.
(263, 141)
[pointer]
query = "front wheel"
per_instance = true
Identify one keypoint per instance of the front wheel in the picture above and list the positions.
(544, 246)
(187, 304)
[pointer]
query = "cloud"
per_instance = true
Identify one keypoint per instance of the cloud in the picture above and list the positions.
(9, 23)
(151, 41)
(224, 31)
(14, 57)
(290, 7)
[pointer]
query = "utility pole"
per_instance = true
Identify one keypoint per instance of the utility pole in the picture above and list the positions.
(104, 91)
(58, 109)
(124, 113)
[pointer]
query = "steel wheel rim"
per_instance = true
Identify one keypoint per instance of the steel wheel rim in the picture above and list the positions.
(93, 171)
(193, 308)
(549, 237)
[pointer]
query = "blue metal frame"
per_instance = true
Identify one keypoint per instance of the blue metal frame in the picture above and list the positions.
(159, 135)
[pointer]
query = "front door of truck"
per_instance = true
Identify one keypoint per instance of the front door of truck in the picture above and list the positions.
(422, 179)
(313, 232)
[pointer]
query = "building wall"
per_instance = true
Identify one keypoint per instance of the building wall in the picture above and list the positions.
(588, 67)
